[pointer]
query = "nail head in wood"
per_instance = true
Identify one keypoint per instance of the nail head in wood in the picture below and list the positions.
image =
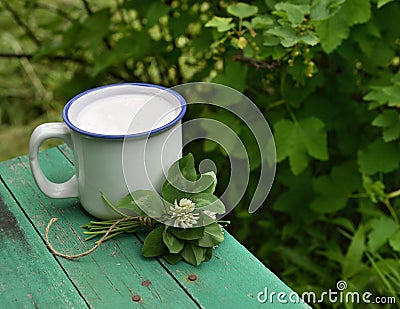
(192, 277)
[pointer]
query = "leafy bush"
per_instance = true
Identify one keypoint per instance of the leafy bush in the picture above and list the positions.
(325, 74)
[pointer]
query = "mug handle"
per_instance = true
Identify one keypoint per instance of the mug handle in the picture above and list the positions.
(39, 135)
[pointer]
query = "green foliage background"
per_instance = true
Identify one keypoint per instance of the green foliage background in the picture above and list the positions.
(325, 73)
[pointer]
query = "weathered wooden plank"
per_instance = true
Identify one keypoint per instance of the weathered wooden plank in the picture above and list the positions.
(115, 272)
(67, 152)
(29, 275)
(232, 279)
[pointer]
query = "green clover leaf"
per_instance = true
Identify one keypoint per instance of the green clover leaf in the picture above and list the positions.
(172, 258)
(193, 254)
(153, 244)
(150, 203)
(213, 236)
(127, 202)
(188, 234)
(183, 180)
(208, 201)
(174, 244)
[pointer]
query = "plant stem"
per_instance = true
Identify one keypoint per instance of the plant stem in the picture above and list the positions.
(393, 194)
(112, 206)
(111, 235)
(103, 231)
(289, 110)
(90, 237)
(275, 104)
(258, 64)
(392, 211)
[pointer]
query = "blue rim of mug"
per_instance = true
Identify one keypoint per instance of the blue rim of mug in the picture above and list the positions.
(140, 134)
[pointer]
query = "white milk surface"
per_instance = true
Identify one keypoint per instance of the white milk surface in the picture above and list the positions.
(123, 114)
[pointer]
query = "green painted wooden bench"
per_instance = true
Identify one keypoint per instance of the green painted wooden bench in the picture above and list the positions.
(115, 275)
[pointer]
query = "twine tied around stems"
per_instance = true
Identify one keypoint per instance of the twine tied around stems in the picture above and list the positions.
(145, 222)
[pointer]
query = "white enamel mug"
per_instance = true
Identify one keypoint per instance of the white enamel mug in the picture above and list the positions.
(123, 136)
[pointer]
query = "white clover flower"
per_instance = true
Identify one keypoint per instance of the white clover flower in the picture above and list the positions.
(211, 214)
(183, 213)
(185, 204)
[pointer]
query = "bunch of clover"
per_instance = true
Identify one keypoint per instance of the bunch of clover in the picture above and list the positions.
(184, 219)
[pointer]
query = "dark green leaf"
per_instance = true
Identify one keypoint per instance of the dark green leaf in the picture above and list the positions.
(213, 236)
(129, 47)
(127, 202)
(208, 182)
(183, 167)
(293, 12)
(242, 10)
(179, 24)
(286, 33)
(378, 96)
(383, 95)
(344, 222)
(187, 234)
(313, 134)
(324, 29)
(174, 244)
(393, 93)
(309, 38)
(394, 240)
(208, 201)
(271, 40)
(389, 120)
(261, 21)
(155, 12)
(153, 243)
(333, 191)
(222, 24)
(217, 131)
(172, 194)
(208, 254)
(350, 13)
(357, 11)
(68, 39)
(352, 261)
(150, 202)
(205, 183)
(324, 9)
(94, 28)
(234, 75)
(86, 33)
(296, 194)
(297, 140)
(181, 179)
(172, 258)
(193, 254)
(381, 230)
(379, 157)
